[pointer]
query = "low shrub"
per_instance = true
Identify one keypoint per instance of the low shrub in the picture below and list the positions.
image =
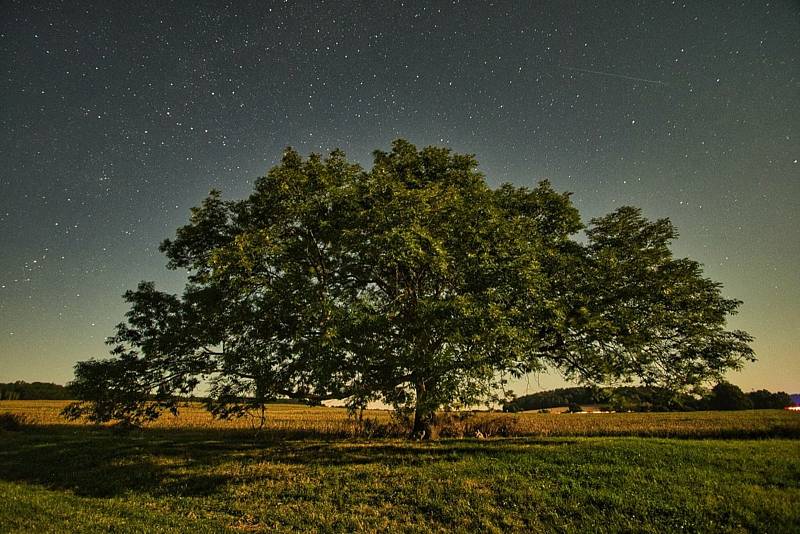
(489, 427)
(12, 421)
(372, 428)
(466, 425)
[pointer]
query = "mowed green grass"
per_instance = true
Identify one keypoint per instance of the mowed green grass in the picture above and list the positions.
(83, 479)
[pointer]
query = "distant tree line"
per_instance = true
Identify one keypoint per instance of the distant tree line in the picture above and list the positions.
(723, 396)
(20, 390)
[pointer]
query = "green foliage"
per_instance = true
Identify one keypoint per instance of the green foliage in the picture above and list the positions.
(650, 398)
(448, 277)
(727, 396)
(413, 283)
(632, 310)
(764, 400)
(553, 399)
(128, 389)
(574, 408)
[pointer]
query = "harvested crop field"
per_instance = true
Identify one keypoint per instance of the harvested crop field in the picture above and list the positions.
(332, 422)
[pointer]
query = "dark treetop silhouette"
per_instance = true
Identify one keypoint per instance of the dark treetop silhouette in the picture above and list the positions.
(413, 283)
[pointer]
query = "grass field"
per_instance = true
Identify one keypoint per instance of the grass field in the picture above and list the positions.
(194, 475)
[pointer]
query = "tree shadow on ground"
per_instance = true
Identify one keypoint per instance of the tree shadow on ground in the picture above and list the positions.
(99, 462)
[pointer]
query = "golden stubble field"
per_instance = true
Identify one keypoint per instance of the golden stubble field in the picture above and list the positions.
(335, 422)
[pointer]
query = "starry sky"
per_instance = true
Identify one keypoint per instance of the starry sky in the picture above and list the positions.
(118, 117)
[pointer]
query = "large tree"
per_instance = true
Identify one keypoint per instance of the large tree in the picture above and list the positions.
(413, 283)
(450, 291)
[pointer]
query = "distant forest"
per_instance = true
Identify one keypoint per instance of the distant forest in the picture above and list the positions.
(724, 396)
(20, 390)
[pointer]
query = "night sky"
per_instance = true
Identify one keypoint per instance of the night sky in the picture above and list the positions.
(116, 120)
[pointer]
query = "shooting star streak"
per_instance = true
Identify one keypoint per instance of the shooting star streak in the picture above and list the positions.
(612, 75)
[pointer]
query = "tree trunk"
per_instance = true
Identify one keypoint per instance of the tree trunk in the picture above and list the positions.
(424, 416)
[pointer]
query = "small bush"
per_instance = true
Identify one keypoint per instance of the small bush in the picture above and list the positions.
(467, 425)
(452, 424)
(12, 422)
(372, 428)
(504, 427)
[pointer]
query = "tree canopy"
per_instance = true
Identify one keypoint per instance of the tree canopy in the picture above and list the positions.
(414, 283)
